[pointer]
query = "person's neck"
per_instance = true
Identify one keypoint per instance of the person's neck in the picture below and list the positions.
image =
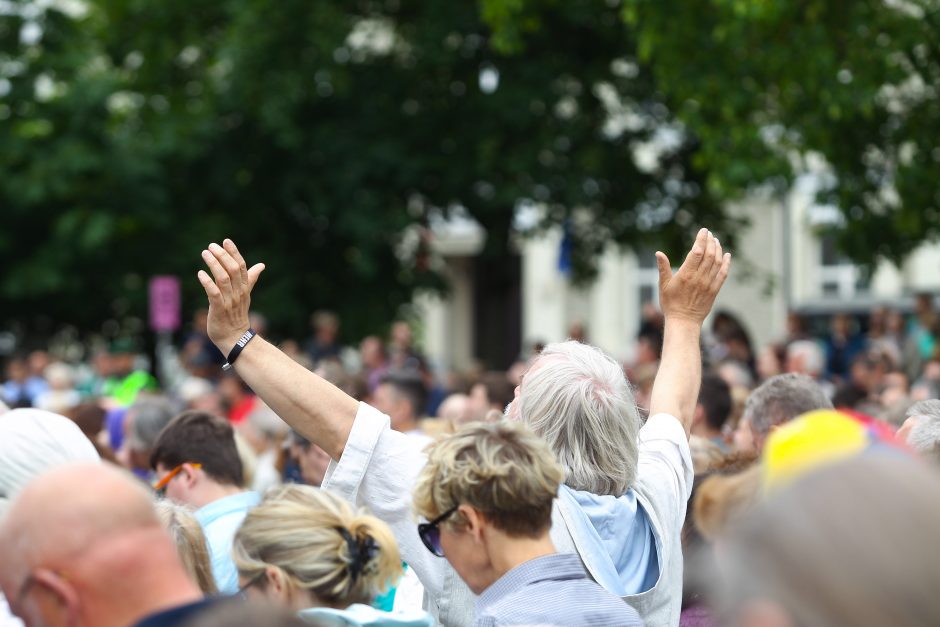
(212, 492)
(507, 552)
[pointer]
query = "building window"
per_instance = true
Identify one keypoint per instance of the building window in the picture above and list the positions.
(838, 277)
(647, 278)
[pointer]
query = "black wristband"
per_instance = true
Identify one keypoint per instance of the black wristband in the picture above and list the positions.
(237, 349)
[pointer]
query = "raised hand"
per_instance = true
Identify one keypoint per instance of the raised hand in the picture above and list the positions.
(229, 291)
(690, 293)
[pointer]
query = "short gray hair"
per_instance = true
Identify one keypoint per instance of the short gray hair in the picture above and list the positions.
(925, 434)
(150, 415)
(782, 398)
(267, 423)
(813, 358)
(579, 401)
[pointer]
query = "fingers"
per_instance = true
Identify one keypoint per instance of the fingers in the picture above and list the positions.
(228, 262)
(665, 269)
(222, 280)
(694, 258)
(708, 259)
(722, 273)
(254, 273)
(232, 250)
(212, 290)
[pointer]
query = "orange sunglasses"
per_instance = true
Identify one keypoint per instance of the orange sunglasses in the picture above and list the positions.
(160, 486)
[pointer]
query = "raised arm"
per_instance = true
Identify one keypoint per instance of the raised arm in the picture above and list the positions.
(317, 409)
(686, 298)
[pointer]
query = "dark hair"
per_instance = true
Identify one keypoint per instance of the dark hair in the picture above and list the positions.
(408, 384)
(499, 391)
(715, 398)
(653, 336)
(199, 437)
(849, 395)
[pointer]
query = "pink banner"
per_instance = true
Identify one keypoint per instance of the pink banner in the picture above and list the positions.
(164, 303)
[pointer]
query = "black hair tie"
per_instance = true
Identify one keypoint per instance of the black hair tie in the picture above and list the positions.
(360, 553)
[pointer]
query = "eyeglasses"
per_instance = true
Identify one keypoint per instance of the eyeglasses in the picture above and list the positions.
(430, 532)
(160, 486)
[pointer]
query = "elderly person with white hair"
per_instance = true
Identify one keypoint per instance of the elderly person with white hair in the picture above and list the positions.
(921, 429)
(626, 487)
(31, 442)
(265, 433)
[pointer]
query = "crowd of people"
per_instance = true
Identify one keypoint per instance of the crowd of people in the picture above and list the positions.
(703, 483)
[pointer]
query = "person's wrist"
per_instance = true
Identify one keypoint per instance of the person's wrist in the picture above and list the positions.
(683, 321)
(225, 343)
(240, 344)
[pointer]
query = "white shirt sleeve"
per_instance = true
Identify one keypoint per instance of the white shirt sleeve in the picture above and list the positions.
(378, 470)
(665, 464)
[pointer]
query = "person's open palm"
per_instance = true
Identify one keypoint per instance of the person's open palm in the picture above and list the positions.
(690, 293)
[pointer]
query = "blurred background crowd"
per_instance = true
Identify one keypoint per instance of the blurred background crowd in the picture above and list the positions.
(877, 364)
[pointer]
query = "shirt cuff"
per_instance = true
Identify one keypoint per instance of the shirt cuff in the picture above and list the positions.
(344, 477)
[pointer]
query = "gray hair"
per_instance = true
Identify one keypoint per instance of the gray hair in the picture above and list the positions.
(267, 423)
(579, 401)
(150, 415)
(813, 358)
(816, 547)
(782, 398)
(925, 434)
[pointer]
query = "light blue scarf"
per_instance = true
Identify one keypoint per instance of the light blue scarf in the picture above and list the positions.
(614, 538)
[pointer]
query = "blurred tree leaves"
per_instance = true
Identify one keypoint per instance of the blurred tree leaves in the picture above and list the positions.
(132, 133)
(767, 87)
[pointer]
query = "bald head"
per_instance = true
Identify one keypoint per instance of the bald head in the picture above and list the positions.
(87, 537)
(67, 509)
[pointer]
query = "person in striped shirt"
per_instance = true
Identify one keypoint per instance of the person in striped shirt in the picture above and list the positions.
(488, 492)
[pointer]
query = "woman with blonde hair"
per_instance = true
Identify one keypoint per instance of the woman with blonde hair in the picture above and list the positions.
(190, 541)
(310, 551)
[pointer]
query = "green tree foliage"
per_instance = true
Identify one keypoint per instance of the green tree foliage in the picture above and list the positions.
(767, 86)
(315, 134)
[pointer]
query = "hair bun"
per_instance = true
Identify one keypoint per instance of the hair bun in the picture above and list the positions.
(361, 551)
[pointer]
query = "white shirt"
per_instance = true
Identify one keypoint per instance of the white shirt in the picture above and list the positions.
(7, 619)
(379, 467)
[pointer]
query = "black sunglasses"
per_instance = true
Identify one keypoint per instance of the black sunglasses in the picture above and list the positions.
(430, 532)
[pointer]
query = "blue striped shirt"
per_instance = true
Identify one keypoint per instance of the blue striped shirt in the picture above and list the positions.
(551, 590)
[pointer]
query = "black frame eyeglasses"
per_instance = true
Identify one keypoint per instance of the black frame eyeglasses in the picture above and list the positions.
(430, 532)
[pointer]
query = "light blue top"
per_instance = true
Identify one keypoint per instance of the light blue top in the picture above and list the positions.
(615, 537)
(551, 590)
(220, 520)
(359, 615)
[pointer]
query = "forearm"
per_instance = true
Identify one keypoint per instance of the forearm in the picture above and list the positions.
(315, 408)
(676, 387)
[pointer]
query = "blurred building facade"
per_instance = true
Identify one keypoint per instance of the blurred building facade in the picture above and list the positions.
(782, 264)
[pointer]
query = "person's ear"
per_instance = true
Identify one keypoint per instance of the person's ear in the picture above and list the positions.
(475, 521)
(277, 585)
(190, 475)
(63, 596)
